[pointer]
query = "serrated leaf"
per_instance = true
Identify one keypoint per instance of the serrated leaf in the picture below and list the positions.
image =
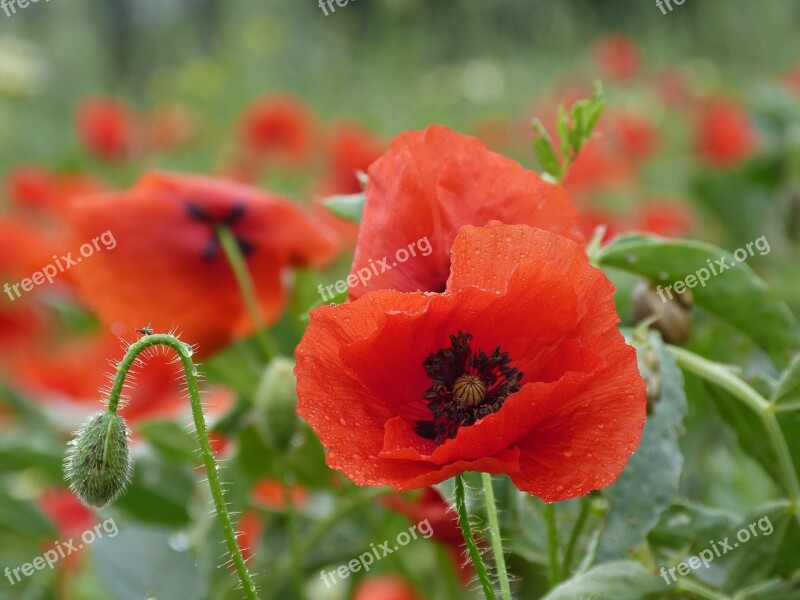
(546, 156)
(735, 295)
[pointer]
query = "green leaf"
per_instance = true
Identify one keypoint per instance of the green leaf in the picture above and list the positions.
(170, 439)
(764, 545)
(349, 206)
(649, 484)
(736, 295)
(788, 389)
(621, 580)
(141, 562)
(543, 147)
(19, 516)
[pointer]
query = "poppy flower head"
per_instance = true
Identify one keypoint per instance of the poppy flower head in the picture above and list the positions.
(106, 128)
(724, 136)
(619, 56)
(166, 231)
(350, 149)
(278, 127)
(385, 587)
(431, 183)
(409, 389)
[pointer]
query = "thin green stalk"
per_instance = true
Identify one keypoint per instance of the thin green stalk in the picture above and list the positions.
(700, 589)
(294, 543)
(722, 377)
(552, 543)
(239, 267)
(574, 537)
(185, 354)
(469, 539)
(494, 533)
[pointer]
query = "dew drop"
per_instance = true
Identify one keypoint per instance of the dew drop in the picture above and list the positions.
(342, 422)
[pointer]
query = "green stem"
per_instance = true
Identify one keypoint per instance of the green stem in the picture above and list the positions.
(700, 590)
(294, 543)
(722, 377)
(494, 533)
(190, 370)
(239, 267)
(552, 543)
(574, 537)
(469, 540)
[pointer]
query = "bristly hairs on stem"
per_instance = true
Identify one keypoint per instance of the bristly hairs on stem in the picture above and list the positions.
(98, 462)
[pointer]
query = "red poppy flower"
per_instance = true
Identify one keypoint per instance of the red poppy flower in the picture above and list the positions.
(106, 128)
(270, 494)
(634, 136)
(619, 56)
(28, 185)
(664, 219)
(250, 529)
(591, 219)
(425, 188)
(278, 127)
(385, 587)
(167, 266)
(599, 166)
(69, 514)
(724, 136)
(409, 389)
(350, 149)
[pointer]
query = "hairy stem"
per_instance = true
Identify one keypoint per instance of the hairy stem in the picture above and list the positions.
(190, 370)
(494, 533)
(469, 539)
(552, 543)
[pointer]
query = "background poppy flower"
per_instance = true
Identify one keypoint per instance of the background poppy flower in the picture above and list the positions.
(618, 56)
(724, 136)
(168, 268)
(431, 183)
(106, 128)
(278, 128)
(385, 587)
(399, 392)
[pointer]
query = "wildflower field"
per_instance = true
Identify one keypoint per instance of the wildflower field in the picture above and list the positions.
(399, 300)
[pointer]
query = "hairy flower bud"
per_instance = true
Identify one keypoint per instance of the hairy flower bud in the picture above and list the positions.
(98, 462)
(276, 403)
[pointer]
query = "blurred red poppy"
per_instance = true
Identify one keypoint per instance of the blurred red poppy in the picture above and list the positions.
(167, 266)
(618, 56)
(350, 149)
(385, 587)
(633, 135)
(724, 136)
(409, 389)
(278, 128)
(106, 128)
(664, 219)
(170, 127)
(37, 187)
(426, 187)
(598, 167)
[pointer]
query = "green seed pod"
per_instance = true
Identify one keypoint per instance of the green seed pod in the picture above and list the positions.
(276, 404)
(98, 462)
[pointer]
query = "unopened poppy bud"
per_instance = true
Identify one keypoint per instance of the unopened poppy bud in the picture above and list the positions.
(98, 462)
(671, 313)
(276, 403)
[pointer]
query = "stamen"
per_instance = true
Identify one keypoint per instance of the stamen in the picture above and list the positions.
(467, 386)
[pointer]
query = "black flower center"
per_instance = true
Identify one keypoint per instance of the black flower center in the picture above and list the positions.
(229, 220)
(467, 386)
